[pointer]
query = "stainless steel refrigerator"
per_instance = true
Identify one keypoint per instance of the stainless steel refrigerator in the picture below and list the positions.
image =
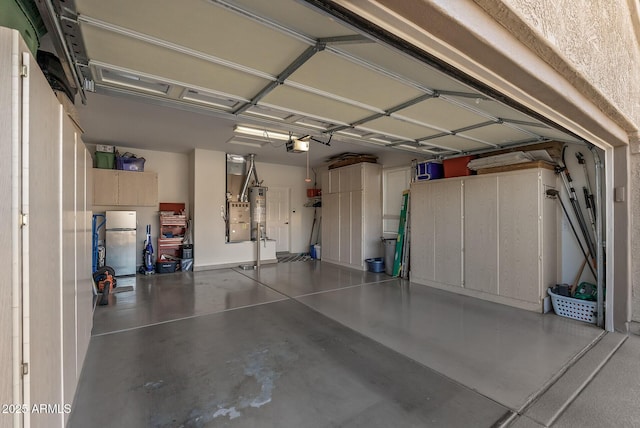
(120, 241)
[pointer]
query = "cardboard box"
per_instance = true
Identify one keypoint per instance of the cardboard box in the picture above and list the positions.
(105, 149)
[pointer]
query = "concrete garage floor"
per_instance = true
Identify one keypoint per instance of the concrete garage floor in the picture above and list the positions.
(308, 344)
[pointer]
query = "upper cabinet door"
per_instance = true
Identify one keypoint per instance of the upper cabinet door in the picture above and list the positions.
(105, 187)
(355, 177)
(124, 188)
(138, 188)
(334, 180)
(350, 178)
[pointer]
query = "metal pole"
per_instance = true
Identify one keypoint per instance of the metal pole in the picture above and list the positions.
(588, 193)
(250, 171)
(599, 242)
(555, 194)
(566, 179)
(258, 246)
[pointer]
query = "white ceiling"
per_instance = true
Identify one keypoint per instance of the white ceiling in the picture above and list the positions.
(173, 75)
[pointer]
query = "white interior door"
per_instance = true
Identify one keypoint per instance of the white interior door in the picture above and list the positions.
(278, 217)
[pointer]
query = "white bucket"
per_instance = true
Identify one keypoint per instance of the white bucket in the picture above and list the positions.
(316, 248)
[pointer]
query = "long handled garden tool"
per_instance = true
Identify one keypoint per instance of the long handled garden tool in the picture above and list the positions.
(568, 184)
(589, 200)
(553, 193)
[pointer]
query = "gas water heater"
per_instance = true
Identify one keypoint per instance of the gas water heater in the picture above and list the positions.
(258, 207)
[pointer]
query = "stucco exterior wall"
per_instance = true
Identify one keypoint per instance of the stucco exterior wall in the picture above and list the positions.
(597, 38)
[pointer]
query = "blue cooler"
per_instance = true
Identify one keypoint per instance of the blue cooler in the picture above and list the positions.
(431, 170)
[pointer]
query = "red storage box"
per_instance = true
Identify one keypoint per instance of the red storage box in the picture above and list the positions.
(457, 167)
(313, 193)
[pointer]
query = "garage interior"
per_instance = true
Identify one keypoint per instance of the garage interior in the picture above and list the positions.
(452, 341)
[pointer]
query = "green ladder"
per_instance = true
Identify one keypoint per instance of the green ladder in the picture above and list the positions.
(400, 257)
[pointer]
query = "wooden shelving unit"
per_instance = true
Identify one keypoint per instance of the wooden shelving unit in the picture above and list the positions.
(173, 227)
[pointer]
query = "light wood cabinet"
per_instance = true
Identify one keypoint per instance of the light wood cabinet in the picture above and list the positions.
(105, 187)
(491, 236)
(46, 236)
(352, 215)
(125, 188)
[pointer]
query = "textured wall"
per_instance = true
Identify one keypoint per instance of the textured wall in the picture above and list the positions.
(597, 37)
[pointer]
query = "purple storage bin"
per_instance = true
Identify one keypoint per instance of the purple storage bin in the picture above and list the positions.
(130, 164)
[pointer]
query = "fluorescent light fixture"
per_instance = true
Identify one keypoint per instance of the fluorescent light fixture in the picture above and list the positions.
(244, 142)
(239, 129)
(130, 80)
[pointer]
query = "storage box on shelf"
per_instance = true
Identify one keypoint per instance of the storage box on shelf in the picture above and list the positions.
(130, 164)
(105, 160)
(429, 170)
(457, 167)
(105, 148)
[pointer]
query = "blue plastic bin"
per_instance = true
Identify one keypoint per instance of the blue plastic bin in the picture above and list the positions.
(429, 170)
(130, 164)
(376, 264)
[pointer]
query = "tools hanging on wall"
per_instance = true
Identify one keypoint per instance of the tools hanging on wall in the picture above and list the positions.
(553, 193)
(563, 171)
(588, 194)
(593, 249)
